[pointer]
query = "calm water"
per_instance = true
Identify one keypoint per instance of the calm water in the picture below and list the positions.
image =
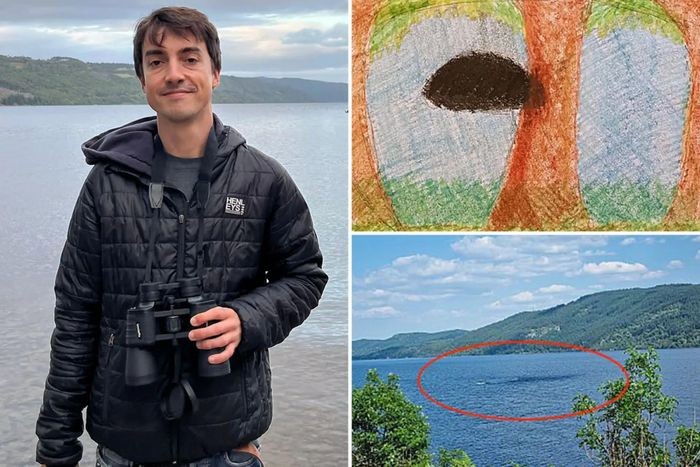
(41, 172)
(520, 386)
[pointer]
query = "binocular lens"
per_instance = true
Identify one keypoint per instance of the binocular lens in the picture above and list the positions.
(209, 370)
(141, 368)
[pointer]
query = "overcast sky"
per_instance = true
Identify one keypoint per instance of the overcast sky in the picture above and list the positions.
(274, 38)
(429, 283)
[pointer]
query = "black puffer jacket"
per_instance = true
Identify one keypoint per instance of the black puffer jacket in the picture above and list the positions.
(263, 261)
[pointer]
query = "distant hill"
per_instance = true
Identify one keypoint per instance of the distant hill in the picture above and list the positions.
(67, 81)
(665, 316)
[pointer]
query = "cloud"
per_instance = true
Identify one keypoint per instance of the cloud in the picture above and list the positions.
(80, 10)
(458, 278)
(378, 312)
(492, 260)
(524, 301)
(646, 240)
(424, 265)
(452, 313)
(614, 267)
(622, 271)
(481, 246)
(525, 256)
(265, 50)
(597, 253)
(268, 38)
(89, 43)
(555, 288)
(696, 240)
(409, 269)
(393, 296)
(332, 37)
(511, 247)
(523, 297)
(675, 264)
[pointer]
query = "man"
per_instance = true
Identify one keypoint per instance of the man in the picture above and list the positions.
(175, 198)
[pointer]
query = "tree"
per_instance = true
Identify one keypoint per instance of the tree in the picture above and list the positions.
(371, 206)
(541, 188)
(621, 434)
(453, 458)
(687, 445)
(387, 429)
(685, 208)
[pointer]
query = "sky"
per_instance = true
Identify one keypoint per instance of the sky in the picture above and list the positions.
(430, 283)
(273, 38)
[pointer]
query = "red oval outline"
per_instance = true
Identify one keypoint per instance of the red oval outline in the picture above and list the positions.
(523, 419)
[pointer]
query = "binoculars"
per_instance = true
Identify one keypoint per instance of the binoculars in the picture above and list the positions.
(163, 313)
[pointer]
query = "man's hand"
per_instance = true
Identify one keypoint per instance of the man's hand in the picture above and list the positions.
(223, 331)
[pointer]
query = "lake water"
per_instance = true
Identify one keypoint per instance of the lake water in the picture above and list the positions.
(521, 386)
(41, 172)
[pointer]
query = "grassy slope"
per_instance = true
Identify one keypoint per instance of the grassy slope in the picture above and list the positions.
(435, 204)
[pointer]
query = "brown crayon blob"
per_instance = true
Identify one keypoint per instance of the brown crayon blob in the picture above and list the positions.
(478, 81)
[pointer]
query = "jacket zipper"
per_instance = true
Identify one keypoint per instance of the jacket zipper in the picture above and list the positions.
(108, 372)
(181, 220)
(182, 227)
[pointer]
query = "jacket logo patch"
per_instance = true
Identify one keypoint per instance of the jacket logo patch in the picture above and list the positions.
(235, 206)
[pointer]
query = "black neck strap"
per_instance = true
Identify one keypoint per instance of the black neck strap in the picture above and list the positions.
(204, 177)
(202, 189)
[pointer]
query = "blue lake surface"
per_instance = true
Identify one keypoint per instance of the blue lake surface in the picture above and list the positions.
(41, 171)
(521, 386)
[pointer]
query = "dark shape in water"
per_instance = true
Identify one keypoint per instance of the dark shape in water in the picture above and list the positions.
(478, 81)
(538, 379)
(528, 379)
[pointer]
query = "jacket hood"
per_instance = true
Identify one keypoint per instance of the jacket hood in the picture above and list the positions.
(131, 145)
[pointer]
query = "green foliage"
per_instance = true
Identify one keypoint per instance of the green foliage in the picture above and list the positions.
(387, 429)
(687, 445)
(628, 202)
(453, 458)
(609, 15)
(620, 435)
(438, 202)
(664, 316)
(395, 17)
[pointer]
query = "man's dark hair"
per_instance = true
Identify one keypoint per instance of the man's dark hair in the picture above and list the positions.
(181, 21)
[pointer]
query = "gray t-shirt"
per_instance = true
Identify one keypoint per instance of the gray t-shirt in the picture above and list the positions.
(182, 173)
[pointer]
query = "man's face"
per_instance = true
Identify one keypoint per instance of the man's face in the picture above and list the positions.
(178, 78)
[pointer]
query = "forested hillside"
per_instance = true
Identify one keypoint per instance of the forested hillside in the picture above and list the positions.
(67, 81)
(665, 316)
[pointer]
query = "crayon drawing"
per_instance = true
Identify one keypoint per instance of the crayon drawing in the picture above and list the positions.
(526, 115)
